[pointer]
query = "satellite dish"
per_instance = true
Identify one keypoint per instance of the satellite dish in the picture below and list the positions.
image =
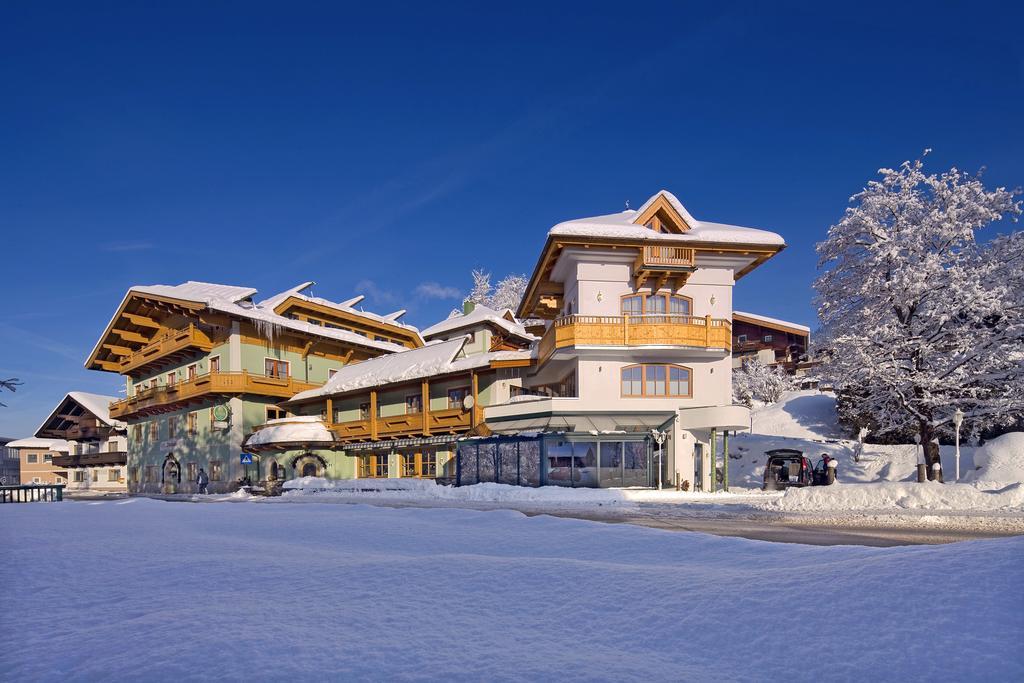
(468, 402)
(220, 413)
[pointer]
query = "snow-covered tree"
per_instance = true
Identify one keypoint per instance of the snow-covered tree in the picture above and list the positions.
(919, 317)
(506, 294)
(755, 381)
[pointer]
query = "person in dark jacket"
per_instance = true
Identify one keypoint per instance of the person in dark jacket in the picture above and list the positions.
(202, 480)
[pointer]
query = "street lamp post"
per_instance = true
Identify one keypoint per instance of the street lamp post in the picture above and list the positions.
(958, 419)
(659, 438)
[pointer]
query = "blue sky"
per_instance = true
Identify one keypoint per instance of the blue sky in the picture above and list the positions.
(386, 149)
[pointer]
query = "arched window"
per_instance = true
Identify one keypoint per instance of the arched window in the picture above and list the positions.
(657, 380)
(656, 304)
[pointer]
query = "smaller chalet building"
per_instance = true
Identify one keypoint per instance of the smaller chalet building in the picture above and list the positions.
(97, 445)
(769, 340)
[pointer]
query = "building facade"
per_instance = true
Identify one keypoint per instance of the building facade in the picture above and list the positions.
(770, 341)
(204, 364)
(632, 375)
(36, 460)
(10, 465)
(97, 446)
(400, 415)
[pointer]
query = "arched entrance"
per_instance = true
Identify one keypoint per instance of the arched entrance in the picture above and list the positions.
(309, 465)
(274, 471)
(170, 474)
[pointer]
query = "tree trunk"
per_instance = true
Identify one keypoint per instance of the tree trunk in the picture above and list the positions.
(931, 452)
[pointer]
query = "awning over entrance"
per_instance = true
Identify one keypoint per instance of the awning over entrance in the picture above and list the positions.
(592, 423)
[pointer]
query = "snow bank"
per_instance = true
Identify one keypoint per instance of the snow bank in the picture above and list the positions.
(801, 414)
(328, 592)
(890, 496)
(298, 429)
(998, 462)
(426, 490)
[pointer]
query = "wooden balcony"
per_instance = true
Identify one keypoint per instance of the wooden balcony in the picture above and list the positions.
(111, 458)
(662, 265)
(166, 348)
(636, 331)
(171, 397)
(449, 421)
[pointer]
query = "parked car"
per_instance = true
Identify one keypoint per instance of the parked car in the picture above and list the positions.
(787, 467)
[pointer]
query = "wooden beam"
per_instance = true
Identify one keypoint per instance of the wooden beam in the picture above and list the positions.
(476, 399)
(425, 399)
(306, 348)
(130, 336)
(142, 321)
(119, 350)
(373, 415)
(330, 411)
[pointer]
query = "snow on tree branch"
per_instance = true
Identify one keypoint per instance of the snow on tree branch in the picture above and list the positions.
(755, 381)
(919, 316)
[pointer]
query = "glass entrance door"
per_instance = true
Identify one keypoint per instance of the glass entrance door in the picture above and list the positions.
(611, 463)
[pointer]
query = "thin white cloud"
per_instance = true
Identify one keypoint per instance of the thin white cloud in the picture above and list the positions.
(435, 290)
(375, 294)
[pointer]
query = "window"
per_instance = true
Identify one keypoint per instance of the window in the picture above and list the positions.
(275, 413)
(133, 474)
(192, 371)
(36, 480)
(331, 372)
(275, 368)
(32, 458)
(214, 363)
(191, 472)
(767, 337)
(79, 476)
(632, 381)
(193, 423)
(656, 304)
(152, 383)
(137, 432)
(413, 404)
(152, 430)
(428, 464)
(409, 465)
(48, 457)
(151, 473)
(364, 411)
(172, 378)
(373, 466)
(656, 380)
(742, 339)
(113, 475)
(95, 475)
(633, 305)
(216, 470)
(172, 425)
(457, 398)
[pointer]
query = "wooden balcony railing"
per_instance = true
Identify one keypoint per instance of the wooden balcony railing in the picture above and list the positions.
(452, 420)
(666, 257)
(91, 459)
(644, 330)
(174, 342)
(168, 397)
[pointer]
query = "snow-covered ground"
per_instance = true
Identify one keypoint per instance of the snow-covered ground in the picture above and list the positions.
(140, 589)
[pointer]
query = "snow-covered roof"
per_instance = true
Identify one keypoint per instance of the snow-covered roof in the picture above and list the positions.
(621, 225)
(34, 442)
(347, 306)
(479, 316)
(772, 321)
(98, 405)
(438, 358)
(237, 301)
(300, 429)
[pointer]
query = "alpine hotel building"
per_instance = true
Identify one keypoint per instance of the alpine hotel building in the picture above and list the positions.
(615, 371)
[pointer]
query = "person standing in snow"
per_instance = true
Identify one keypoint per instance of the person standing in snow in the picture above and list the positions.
(202, 480)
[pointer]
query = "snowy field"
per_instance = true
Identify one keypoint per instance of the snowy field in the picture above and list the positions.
(139, 589)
